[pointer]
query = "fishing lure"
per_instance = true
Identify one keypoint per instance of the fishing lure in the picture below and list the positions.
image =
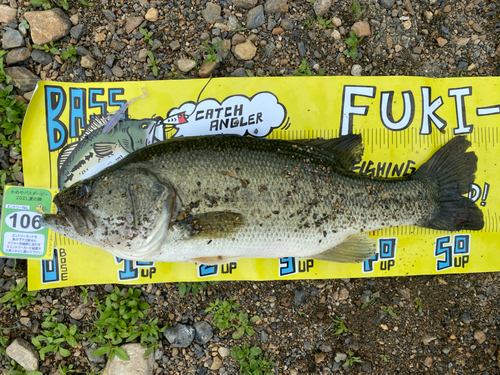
(116, 117)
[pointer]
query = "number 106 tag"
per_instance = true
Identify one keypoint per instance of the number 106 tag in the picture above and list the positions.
(22, 234)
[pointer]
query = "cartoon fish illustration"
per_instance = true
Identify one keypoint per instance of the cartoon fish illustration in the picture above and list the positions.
(215, 199)
(96, 150)
(40, 209)
(115, 118)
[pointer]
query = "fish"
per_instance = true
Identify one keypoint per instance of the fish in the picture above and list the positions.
(216, 199)
(95, 150)
(115, 118)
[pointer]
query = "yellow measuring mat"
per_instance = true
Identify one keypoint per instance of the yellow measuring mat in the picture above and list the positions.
(403, 122)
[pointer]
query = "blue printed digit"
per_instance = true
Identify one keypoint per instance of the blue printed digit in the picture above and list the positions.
(129, 272)
(387, 248)
(205, 270)
(461, 244)
(50, 269)
(368, 264)
(442, 248)
(287, 266)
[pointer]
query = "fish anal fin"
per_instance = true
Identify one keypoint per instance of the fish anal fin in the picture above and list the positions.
(214, 260)
(103, 149)
(211, 225)
(355, 249)
(348, 149)
(65, 153)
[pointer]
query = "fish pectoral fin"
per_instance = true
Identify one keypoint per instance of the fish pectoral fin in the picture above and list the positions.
(355, 249)
(103, 149)
(219, 224)
(214, 260)
(65, 153)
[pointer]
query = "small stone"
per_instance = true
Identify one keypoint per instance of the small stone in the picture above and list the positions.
(22, 78)
(477, 28)
(142, 56)
(255, 17)
(48, 25)
(180, 336)
(240, 72)
(287, 24)
(245, 51)
(428, 338)
(407, 24)
(447, 8)
(336, 35)
(441, 42)
(152, 15)
(384, 327)
(216, 364)
(404, 293)
(175, 45)
(237, 39)
(340, 357)
(224, 352)
(462, 41)
(361, 28)
(480, 336)
(78, 312)
(277, 31)
(23, 353)
(136, 365)
(428, 15)
(319, 357)
(117, 45)
(356, 71)
(12, 39)
(74, 19)
(245, 4)
(132, 23)
(92, 358)
(465, 318)
(387, 4)
(300, 296)
(17, 55)
(446, 349)
(427, 362)
(185, 65)
(100, 37)
(206, 69)
(337, 22)
(398, 48)
(7, 14)
(325, 348)
(276, 6)
(77, 31)
(109, 15)
(82, 51)
(25, 322)
(211, 12)
(321, 7)
(203, 330)
(117, 71)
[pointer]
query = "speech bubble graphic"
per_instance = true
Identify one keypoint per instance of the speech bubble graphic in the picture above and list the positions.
(256, 116)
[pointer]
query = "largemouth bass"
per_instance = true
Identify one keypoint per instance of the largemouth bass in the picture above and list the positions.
(215, 199)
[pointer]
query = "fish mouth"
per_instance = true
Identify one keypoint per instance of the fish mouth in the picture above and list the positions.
(79, 218)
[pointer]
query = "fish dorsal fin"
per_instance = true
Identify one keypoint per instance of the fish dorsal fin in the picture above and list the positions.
(97, 122)
(214, 260)
(211, 225)
(355, 249)
(65, 153)
(347, 149)
(103, 149)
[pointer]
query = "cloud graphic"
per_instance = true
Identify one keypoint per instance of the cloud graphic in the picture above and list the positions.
(238, 114)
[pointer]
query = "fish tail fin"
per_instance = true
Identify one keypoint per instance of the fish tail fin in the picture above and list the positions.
(454, 169)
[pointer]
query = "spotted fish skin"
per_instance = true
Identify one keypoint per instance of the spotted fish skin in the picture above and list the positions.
(217, 199)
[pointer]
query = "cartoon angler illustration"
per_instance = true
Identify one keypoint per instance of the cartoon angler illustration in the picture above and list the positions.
(96, 150)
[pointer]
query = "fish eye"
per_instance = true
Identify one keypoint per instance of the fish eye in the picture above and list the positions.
(83, 190)
(144, 125)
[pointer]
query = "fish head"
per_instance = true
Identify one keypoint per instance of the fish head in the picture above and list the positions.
(123, 211)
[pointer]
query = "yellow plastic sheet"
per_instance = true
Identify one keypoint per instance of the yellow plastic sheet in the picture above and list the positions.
(403, 120)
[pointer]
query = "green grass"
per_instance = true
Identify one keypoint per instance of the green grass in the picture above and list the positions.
(227, 315)
(147, 36)
(388, 310)
(211, 51)
(3, 76)
(338, 327)
(351, 360)
(325, 24)
(70, 53)
(47, 4)
(352, 41)
(48, 48)
(251, 361)
(194, 288)
(418, 304)
(356, 8)
(153, 63)
(18, 296)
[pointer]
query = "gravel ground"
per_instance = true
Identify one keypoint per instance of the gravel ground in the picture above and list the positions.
(456, 330)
